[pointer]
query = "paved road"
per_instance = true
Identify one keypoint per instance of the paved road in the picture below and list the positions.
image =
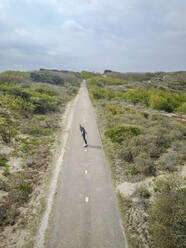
(85, 212)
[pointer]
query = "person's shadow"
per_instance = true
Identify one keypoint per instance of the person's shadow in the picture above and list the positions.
(94, 147)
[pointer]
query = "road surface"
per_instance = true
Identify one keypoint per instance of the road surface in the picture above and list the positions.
(85, 212)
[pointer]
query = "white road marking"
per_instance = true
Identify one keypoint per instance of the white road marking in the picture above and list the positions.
(86, 199)
(86, 172)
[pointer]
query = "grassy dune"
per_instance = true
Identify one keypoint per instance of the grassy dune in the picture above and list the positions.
(142, 125)
(31, 106)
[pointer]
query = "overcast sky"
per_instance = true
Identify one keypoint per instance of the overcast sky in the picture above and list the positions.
(121, 35)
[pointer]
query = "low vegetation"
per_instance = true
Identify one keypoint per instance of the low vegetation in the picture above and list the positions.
(167, 214)
(132, 76)
(105, 81)
(87, 75)
(119, 134)
(154, 98)
(145, 145)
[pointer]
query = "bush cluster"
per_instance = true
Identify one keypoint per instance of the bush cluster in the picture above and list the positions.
(14, 77)
(100, 93)
(3, 161)
(182, 108)
(118, 134)
(47, 78)
(87, 75)
(114, 109)
(28, 101)
(156, 99)
(104, 81)
(144, 164)
(7, 129)
(167, 213)
(143, 192)
(132, 76)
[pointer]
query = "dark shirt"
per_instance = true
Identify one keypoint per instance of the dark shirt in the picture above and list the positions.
(82, 130)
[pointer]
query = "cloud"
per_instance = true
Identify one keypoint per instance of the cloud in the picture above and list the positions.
(128, 35)
(73, 26)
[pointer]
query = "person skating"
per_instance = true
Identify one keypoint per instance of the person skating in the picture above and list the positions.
(83, 132)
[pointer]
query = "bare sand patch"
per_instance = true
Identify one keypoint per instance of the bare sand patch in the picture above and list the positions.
(128, 189)
(5, 149)
(15, 164)
(2, 195)
(183, 171)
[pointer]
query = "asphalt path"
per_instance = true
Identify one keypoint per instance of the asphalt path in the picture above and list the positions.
(85, 213)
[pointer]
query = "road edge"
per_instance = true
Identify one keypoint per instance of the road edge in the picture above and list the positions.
(110, 174)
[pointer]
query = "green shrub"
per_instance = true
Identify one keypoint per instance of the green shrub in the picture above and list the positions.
(16, 91)
(165, 185)
(144, 164)
(13, 77)
(145, 114)
(47, 78)
(72, 90)
(87, 75)
(130, 110)
(179, 148)
(131, 169)
(6, 171)
(27, 101)
(153, 149)
(157, 99)
(3, 161)
(4, 114)
(149, 75)
(106, 81)
(25, 189)
(37, 131)
(7, 130)
(99, 93)
(118, 134)
(27, 144)
(169, 161)
(27, 141)
(137, 95)
(114, 109)
(162, 136)
(43, 103)
(143, 192)
(127, 154)
(17, 104)
(159, 103)
(182, 108)
(47, 91)
(131, 76)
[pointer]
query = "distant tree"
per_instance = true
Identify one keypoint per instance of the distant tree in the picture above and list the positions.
(47, 78)
(107, 71)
